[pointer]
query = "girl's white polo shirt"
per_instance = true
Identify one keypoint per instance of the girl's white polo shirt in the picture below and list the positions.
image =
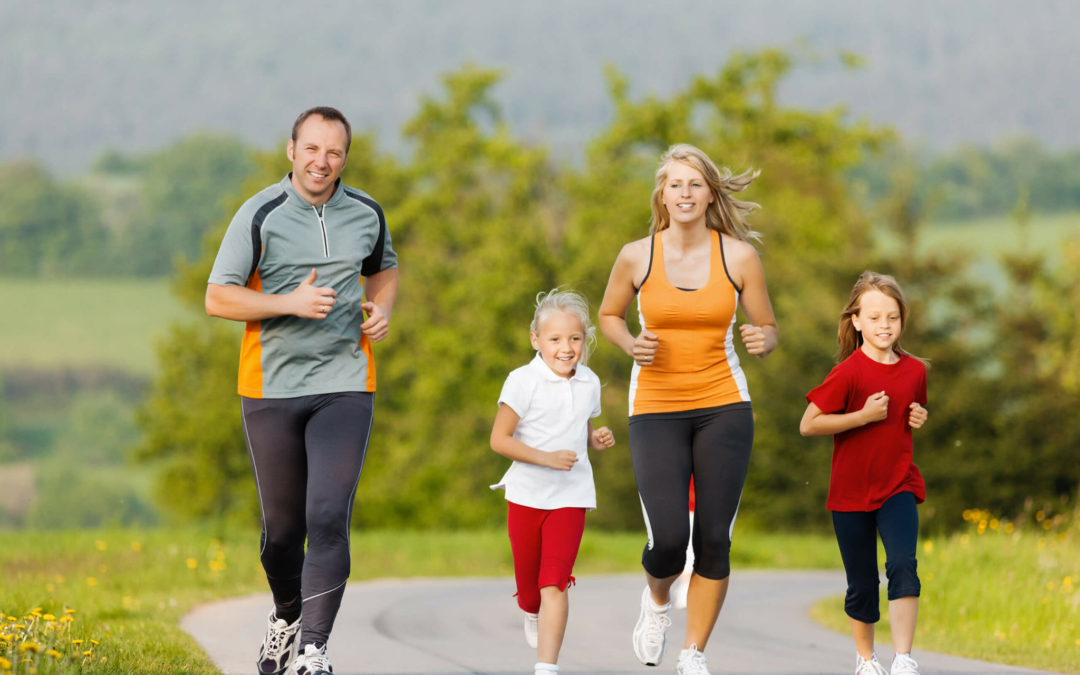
(555, 414)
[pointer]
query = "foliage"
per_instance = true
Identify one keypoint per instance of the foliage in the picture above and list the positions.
(974, 181)
(999, 590)
(483, 222)
(46, 227)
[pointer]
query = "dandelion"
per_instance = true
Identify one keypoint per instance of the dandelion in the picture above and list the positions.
(50, 617)
(69, 611)
(136, 546)
(6, 665)
(1040, 516)
(1047, 524)
(101, 546)
(192, 563)
(77, 642)
(59, 578)
(29, 647)
(928, 547)
(50, 588)
(87, 653)
(94, 642)
(1008, 528)
(67, 618)
(930, 576)
(994, 522)
(91, 581)
(55, 654)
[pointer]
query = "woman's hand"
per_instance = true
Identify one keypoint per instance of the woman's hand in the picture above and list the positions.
(601, 439)
(645, 346)
(754, 339)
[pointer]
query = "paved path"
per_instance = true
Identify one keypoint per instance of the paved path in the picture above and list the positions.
(474, 626)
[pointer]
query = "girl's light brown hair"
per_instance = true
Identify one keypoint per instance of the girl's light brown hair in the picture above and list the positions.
(850, 339)
(725, 214)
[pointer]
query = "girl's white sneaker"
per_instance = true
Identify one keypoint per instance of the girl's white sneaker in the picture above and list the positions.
(532, 628)
(869, 666)
(903, 664)
(691, 662)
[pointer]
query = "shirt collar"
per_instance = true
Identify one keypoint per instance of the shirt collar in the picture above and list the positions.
(548, 374)
(335, 199)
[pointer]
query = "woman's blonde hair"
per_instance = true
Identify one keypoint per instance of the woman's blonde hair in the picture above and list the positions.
(725, 214)
(572, 303)
(850, 339)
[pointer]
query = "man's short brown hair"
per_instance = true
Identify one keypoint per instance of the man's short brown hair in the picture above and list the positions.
(327, 113)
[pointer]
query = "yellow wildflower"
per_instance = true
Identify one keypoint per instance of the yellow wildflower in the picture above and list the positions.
(87, 653)
(29, 647)
(928, 546)
(6, 665)
(55, 654)
(192, 563)
(66, 619)
(136, 546)
(76, 642)
(49, 617)
(69, 611)
(1008, 528)
(101, 546)
(50, 588)
(94, 642)
(91, 581)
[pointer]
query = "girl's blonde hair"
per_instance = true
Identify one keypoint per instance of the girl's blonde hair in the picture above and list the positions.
(572, 303)
(850, 339)
(725, 214)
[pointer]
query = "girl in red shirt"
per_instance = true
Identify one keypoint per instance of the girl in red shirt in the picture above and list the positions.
(869, 404)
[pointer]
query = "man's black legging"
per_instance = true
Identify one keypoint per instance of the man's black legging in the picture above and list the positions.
(307, 454)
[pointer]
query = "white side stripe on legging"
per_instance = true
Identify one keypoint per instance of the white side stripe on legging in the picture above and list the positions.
(648, 526)
(731, 528)
(325, 592)
(258, 488)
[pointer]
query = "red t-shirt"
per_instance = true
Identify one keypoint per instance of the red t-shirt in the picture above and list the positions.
(873, 462)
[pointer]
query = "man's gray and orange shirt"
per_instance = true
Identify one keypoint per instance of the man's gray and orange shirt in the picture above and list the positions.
(272, 244)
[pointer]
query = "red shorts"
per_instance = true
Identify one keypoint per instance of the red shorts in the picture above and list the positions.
(545, 545)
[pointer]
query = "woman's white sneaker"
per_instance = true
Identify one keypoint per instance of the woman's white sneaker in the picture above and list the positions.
(869, 666)
(280, 645)
(532, 628)
(903, 664)
(650, 633)
(691, 662)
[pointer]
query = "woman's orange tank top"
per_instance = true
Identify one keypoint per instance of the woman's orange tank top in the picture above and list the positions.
(695, 365)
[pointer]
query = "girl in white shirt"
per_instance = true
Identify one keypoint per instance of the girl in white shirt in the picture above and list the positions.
(543, 425)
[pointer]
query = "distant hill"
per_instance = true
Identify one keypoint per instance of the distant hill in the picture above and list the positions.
(79, 77)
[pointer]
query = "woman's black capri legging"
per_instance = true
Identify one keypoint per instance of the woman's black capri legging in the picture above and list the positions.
(713, 445)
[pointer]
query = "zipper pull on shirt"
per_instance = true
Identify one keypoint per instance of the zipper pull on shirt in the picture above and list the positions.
(322, 226)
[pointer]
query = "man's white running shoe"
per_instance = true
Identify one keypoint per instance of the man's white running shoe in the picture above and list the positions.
(869, 666)
(313, 661)
(903, 664)
(650, 633)
(691, 662)
(532, 628)
(280, 645)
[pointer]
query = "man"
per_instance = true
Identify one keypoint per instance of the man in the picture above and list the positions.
(296, 264)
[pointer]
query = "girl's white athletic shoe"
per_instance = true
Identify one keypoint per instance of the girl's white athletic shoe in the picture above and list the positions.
(312, 661)
(691, 662)
(532, 628)
(279, 647)
(650, 633)
(869, 666)
(903, 664)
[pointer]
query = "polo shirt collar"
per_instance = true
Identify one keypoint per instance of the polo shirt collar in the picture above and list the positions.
(548, 374)
(294, 196)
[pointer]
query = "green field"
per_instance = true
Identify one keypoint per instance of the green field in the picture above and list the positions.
(1006, 596)
(84, 323)
(129, 588)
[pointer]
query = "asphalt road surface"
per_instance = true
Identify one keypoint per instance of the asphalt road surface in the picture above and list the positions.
(475, 626)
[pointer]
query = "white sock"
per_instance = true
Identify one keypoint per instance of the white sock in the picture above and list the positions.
(546, 666)
(658, 608)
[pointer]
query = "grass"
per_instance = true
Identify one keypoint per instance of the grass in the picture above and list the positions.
(996, 593)
(75, 323)
(129, 588)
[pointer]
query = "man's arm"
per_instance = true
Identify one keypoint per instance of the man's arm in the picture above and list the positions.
(381, 292)
(239, 303)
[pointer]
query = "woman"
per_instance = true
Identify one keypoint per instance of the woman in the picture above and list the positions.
(689, 405)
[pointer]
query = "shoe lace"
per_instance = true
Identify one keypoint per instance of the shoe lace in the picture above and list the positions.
(655, 625)
(694, 663)
(905, 663)
(278, 635)
(315, 659)
(870, 667)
